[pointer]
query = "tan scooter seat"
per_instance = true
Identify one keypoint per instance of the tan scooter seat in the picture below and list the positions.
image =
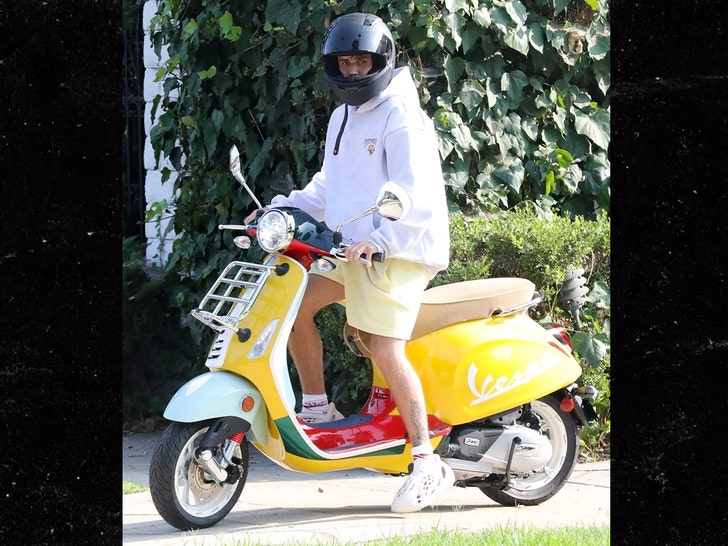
(458, 302)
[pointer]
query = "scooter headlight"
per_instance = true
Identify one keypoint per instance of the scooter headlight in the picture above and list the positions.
(275, 230)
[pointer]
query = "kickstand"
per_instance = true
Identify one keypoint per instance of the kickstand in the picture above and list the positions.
(516, 442)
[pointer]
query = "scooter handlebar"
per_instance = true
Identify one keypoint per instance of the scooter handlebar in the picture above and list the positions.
(338, 252)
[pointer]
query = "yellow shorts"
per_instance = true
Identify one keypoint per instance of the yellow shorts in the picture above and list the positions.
(383, 299)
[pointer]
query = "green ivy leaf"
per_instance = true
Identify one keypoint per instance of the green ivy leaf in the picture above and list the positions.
(550, 182)
(297, 66)
(457, 177)
(472, 94)
(590, 348)
(209, 137)
(482, 17)
(598, 46)
(284, 12)
(155, 210)
(446, 144)
(560, 119)
(602, 75)
(445, 120)
(530, 129)
(207, 74)
(536, 37)
(454, 68)
(550, 136)
(492, 92)
(454, 21)
(457, 5)
(563, 157)
(189, 29)
(517, 11)
(512, 83)
(500, 18)
(470, 37)
(217, 119)
(228, 29)
(517, 39)
(160, 73)
(600, 296)
(189, 121)
(594, 126)
(256, 166)
(510, 175)
(462, 136)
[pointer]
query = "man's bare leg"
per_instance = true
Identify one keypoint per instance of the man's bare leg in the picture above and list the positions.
(304, 343)
(404, 384)
(430, 475)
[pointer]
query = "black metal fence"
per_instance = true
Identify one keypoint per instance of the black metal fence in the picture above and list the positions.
(133, 176)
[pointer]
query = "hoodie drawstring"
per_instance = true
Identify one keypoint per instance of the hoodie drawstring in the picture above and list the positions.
(341, 130)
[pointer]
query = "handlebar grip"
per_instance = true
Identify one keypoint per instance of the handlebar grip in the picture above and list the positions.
(378, 257)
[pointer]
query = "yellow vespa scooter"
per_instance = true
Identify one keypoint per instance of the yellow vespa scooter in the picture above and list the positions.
(503, 405)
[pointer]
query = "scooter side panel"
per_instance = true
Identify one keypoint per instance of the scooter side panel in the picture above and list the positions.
(300, 455)
(479, 368)
(276, 308)
(219, 394)
(384, 462)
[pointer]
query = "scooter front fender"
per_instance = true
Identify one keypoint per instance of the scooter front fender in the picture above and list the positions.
(219, 394)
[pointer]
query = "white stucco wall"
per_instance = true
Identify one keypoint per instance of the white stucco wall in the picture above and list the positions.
(158, 244)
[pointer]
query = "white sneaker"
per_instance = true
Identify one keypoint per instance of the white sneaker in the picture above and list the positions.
(421, 488)
(311, 418)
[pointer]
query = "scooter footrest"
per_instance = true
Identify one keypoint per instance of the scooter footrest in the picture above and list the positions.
(351, 421)
(362, 430)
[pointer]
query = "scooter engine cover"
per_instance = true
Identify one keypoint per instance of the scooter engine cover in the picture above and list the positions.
(491, 447)
(472, 443)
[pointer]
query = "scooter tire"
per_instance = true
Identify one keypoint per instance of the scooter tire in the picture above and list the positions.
(182, 493)
(561, 428)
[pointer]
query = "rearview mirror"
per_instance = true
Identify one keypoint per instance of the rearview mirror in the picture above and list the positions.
(237, 173)
(392, 201)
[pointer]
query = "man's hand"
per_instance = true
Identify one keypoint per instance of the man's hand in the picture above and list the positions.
(361, 252)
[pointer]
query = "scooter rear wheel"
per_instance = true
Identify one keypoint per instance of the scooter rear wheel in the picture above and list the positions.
(536, 487)
(182, 491)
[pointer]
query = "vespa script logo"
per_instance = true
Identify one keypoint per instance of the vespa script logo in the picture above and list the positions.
(503, 384)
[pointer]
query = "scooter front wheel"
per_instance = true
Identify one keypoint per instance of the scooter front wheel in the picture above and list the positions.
(184, 494)
(541, 484)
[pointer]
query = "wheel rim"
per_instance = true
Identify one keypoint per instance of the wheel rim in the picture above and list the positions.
(552, 426)
(196, 492)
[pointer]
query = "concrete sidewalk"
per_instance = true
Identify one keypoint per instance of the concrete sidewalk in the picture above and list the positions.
(282, 507)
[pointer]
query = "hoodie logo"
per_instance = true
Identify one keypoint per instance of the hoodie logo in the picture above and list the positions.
(370, 144)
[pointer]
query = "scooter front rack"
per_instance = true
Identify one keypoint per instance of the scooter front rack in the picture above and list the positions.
(231, 296)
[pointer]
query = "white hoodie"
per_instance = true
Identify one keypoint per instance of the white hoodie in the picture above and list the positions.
(387, 138)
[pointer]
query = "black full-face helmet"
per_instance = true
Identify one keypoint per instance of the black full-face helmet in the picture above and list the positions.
(354, 34)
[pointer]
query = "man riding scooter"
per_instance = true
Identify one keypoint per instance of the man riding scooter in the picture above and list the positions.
(378, 134)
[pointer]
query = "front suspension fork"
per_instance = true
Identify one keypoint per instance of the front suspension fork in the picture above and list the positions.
(221, 432)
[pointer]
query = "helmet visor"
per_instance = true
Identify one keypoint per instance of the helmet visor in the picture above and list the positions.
(357, 33)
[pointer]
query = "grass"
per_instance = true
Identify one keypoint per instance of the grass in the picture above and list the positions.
(506, 536)
(129, 487)
(593, 535)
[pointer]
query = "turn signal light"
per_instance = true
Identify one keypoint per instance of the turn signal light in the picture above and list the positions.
(248, 403)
